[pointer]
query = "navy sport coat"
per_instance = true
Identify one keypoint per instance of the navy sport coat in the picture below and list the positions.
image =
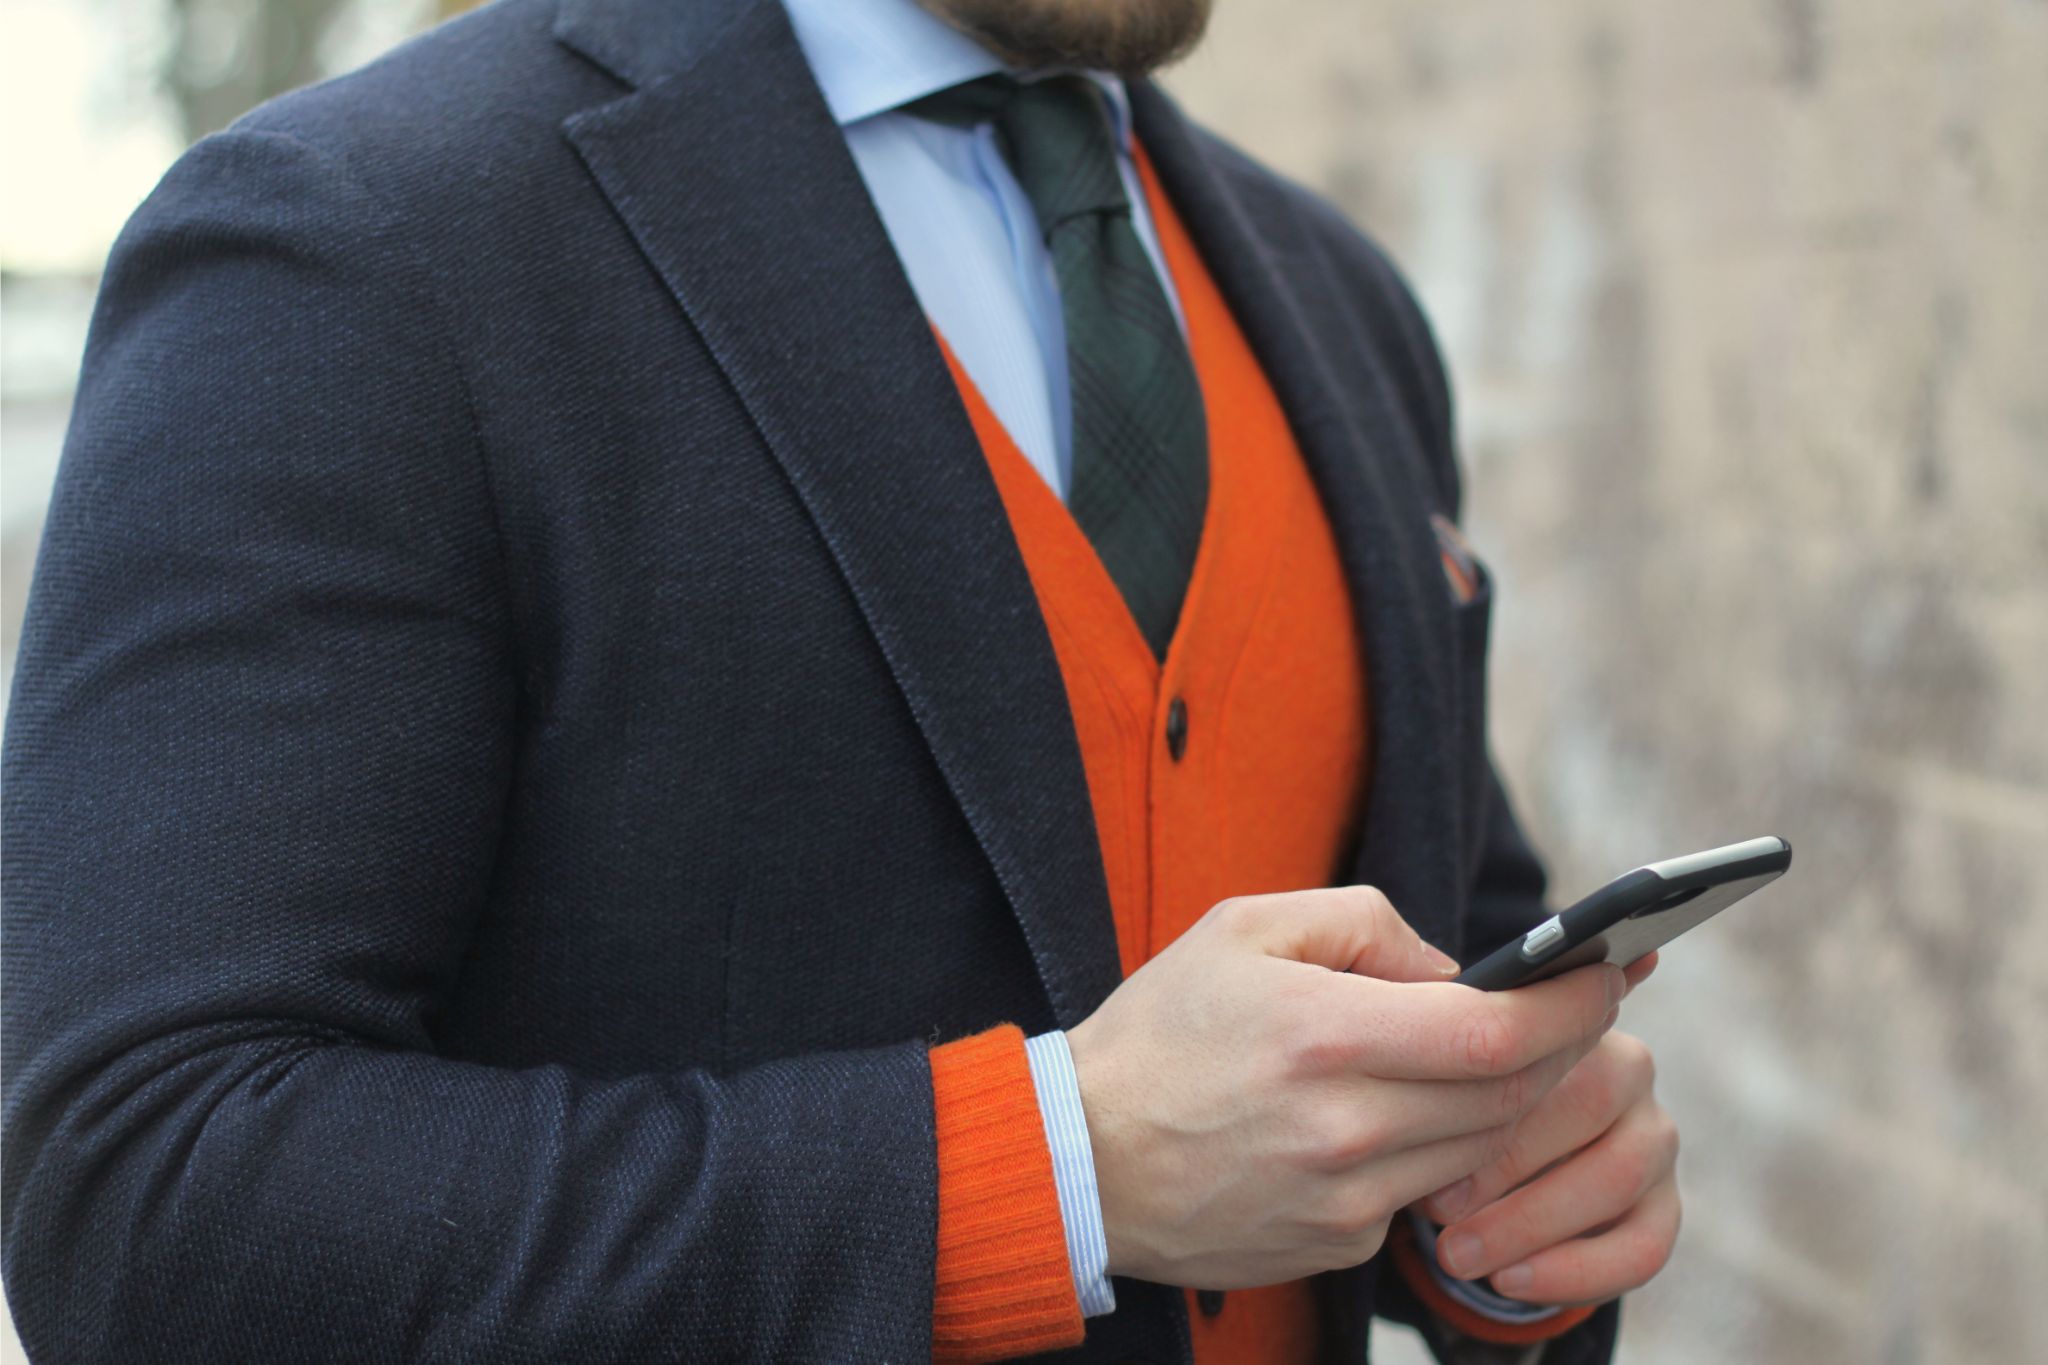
(531, 720)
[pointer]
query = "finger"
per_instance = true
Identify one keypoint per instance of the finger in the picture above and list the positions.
(1356, 1206)
(1426, 1111)
(1440, 1031)
(1393, 1182)
(1601, 1183)
(1613, 1077)
(1639, 970)
(1351, 929)
(1595, 1269)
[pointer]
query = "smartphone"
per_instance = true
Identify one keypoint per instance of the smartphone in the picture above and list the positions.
(1635, 913)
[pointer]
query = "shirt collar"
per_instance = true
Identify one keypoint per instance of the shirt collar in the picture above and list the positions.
(871, 56)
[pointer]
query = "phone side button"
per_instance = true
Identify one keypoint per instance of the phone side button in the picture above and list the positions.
(1538, 942)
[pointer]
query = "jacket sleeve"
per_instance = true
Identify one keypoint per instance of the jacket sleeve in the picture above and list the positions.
(260, 737)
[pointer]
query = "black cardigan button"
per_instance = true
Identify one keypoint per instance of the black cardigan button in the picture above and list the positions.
(1177, 728)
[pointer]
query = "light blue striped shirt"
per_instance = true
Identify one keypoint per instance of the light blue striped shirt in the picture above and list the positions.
(1073, 1168)
(970, 245)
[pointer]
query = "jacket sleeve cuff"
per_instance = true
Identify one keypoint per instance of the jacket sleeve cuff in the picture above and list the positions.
(1464, 1307)
(1004, 1286)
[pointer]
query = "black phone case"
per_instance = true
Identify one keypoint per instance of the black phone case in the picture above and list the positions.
(1630, 916)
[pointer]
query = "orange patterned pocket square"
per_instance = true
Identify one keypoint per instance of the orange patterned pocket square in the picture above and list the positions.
(1462, 569)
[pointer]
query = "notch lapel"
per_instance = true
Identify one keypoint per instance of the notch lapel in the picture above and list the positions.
(1373, 491)
(734, 180)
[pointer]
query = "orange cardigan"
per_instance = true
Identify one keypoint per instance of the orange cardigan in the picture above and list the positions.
(1265, 794)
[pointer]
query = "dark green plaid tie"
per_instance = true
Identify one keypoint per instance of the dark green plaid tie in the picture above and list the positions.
(1141, 444)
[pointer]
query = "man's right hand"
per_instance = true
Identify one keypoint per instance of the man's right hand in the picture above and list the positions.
(1268, 1092)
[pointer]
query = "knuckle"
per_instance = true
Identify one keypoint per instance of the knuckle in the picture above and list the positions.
(1568, 1260)
(1338, 1139)
(1516, 1094)
(1648, 1253)
(1629, 1168)
(1324, 1227)
(1520, 1227)
(1360, 1212)
(1594, 1095)
(1637, 1065)
(1365, 1139)
(1508, 1167)
(1367, 1243)
(1312, 1047)
(1373, 902)
(1237, 914)
(1485, 1045)
(1642, 1250)
(1373, 911)
(1312, 1136)
(1659, 1142)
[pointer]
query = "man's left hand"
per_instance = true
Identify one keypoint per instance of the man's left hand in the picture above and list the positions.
(1583, 1205)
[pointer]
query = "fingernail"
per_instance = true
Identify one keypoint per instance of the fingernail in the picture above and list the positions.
(1441, 960)
(1514, 1280)
(1612, 1015)
(1447, 1205)
(1457, 1251)
(1617, 985)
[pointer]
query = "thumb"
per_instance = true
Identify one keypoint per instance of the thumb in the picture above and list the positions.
(1356, 929)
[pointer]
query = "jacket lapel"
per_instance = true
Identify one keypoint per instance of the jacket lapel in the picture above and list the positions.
(1373, 490)
(735, 181)
(724, 163)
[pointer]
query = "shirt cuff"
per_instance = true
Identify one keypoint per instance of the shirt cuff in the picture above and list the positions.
(1073, 1169)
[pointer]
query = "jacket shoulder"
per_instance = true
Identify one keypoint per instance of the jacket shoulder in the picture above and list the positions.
(470, 105)
(1368, 285)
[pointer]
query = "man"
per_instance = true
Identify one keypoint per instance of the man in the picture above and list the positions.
(688, 663)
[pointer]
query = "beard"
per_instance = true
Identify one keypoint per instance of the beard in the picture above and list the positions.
(1129, 37)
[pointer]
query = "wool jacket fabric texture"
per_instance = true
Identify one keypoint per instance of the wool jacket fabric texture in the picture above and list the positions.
(530, 722)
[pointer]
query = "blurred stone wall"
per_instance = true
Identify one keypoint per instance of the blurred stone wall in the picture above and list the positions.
(1746, 305)
(1747, 309)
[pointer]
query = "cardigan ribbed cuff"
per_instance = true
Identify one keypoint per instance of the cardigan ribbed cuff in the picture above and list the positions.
(1004, 1286)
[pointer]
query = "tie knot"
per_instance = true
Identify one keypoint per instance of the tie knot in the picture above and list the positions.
(1055, 133)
